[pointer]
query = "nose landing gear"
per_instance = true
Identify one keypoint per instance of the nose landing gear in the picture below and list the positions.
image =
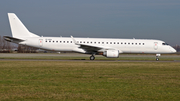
(157, 57)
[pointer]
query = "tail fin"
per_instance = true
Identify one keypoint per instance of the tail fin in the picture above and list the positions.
(17, 27)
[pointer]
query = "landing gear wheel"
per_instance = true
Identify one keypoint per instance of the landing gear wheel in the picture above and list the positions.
(157, 59)
(92, 57)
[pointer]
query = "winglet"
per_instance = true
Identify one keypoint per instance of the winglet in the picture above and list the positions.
(73, 40)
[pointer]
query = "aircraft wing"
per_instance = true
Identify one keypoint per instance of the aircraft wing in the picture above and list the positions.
(92, 48)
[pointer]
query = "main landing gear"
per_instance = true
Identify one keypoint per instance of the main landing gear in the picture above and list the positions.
(92, 57)
(157, 57)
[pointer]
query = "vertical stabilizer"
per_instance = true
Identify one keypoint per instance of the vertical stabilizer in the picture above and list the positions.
(17, 27)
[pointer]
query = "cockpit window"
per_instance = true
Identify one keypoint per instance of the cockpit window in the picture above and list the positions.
(165, 44)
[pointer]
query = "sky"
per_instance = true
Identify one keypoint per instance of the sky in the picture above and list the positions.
(140, 19)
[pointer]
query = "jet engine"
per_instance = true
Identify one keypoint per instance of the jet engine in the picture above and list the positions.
(111, 53)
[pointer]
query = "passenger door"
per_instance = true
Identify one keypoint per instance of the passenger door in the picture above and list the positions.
(155, 45)
(40, 42)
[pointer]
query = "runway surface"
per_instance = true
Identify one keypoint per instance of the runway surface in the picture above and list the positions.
(73, 60)
(75, 55)
(21, 56)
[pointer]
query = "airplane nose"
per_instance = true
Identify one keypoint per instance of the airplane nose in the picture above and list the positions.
(173, 50)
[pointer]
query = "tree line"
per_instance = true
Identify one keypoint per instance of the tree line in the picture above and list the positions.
(177, 48)
(5, 46)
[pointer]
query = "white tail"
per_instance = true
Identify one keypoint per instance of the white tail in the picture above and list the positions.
(17, 27)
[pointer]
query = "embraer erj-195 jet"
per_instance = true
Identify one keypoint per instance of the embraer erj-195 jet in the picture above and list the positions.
(108, 47)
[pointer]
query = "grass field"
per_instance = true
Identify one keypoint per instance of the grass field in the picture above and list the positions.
(83, 80)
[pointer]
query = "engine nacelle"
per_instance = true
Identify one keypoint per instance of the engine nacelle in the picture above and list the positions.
(111, 53)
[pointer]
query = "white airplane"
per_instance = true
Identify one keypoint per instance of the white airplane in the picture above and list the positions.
(108, 47)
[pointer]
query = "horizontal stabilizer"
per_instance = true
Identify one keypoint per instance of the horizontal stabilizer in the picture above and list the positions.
(12, 39)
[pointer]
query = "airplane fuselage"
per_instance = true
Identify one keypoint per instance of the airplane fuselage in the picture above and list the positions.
(123, 45)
